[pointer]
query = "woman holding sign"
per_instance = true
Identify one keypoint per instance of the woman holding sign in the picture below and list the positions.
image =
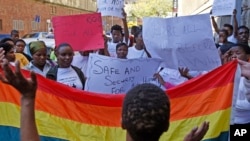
(64, 72)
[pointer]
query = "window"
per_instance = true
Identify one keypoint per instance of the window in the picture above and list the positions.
(15, 24)
(34, 25)
(18, 24)
(52, 10)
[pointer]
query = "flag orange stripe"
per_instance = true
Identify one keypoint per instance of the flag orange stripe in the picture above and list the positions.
(190, 106)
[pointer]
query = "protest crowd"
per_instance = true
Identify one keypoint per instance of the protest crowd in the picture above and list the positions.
(74, 68)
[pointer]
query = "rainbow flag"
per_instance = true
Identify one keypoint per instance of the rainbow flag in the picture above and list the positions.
(64, 113)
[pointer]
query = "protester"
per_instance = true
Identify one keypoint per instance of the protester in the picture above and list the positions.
(243, 34)
(139, 49)
(136, 114)
(134, 29)
(223, 34)
(19, 47)
(64, 72)
(8, 52)
(39, 64)
(117, 37)
(242, 106)
(14, 34)
(232, 30)
(18, 56)
(222, 52)
(122, 50)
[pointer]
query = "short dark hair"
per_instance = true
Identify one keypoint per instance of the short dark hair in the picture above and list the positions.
(245, 47)
(135, 29)
(14, 32)
(4, 40)
(243, 27)
(146, 112)
(20, 40)
(62, 45)
(225, 31)
(6, 47)
(121, 44)
(229, 26)
(225, 47)
(116, 27)
(139, 32)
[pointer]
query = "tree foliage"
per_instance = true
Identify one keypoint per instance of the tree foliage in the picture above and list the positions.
(151, 8)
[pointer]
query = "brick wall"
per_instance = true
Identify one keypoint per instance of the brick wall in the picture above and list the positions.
(20, 14)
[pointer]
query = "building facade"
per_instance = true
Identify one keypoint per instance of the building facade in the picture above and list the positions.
(205, 6)
(36, 15)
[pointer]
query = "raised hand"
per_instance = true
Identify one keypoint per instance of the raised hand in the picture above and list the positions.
(27, 87)
(245, 68)
(196, 134)
(234, 12)
(184, 72)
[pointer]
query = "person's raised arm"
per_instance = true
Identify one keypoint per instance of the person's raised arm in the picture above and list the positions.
(125, 25)
(215, 26)
(27, 88)
(235, 23)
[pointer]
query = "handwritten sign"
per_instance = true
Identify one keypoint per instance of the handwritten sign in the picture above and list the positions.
(182, 42)
(223, 7)
(116, 76)
(110, 7)
(82, 32)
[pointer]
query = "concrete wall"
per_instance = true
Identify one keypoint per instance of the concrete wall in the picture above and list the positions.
(188, 7)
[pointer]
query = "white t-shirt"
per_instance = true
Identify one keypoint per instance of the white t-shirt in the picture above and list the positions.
(81, 62)
(68, 76)
(135, 53)
(242, 106)
(112, 49)
(232, 39)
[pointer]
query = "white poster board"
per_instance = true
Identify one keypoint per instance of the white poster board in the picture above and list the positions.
(116, 76)
(110, 7)
(223, 7)
(182, 42)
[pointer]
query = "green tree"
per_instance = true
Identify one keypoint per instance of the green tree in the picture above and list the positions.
(151, 8)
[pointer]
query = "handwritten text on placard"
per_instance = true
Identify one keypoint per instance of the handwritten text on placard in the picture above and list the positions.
(112, 75)
(223, 7)
(110, 7)
(182, 42)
